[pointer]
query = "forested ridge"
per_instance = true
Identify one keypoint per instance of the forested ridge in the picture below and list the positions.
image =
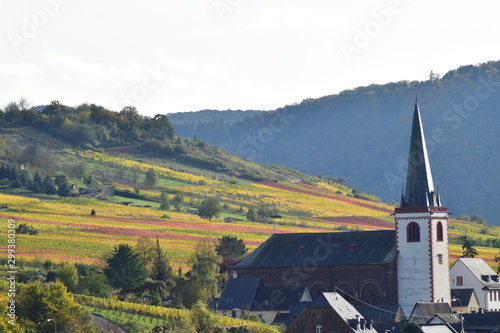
(362, 135)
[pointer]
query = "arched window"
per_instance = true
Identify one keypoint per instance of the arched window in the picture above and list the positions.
(319, 328)
(413, 232)
(439, 232)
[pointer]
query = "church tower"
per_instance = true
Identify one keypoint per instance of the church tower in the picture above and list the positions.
(421, 231)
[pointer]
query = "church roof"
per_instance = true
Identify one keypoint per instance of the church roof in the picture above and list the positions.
(324, 249)
(419, 184)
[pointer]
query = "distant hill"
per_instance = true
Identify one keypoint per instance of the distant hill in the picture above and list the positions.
(210, 116)
(92, 127)
(362, 135)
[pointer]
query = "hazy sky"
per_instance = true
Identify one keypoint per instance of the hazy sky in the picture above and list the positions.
(170, 56)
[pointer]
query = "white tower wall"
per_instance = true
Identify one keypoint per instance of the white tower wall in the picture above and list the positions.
(423, 274)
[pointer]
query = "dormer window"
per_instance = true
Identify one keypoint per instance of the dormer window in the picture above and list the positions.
(319, 328)
(413, 232)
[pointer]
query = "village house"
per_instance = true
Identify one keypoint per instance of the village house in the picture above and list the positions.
(250, 296)
(476, 274)
(330, 312)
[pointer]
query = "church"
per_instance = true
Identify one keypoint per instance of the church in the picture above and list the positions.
(385, 267)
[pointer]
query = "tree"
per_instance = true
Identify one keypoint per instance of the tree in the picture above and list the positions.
(49, 187)
(145, 249)
(37, 301)
(178, 200)
(95, 284)
(68, 274)
(125, 270)
(411, 327)
(203, 319)
(231, 247)
(478, 219)
(164, 205)
(151, 179)
(252, 215)
(205, 270)
(64, 190)
(161, 270)
(468, 247)
(209, 208)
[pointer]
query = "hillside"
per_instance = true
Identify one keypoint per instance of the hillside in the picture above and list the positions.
(187, 171)
(211, 116)
(130, 214)
(361, 135)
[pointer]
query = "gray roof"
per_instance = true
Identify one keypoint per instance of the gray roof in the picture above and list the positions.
(419, 184)
(387, 313)
(482, 271)
(424, 311)
(463, 295)
(239, 293)
(486, 320)
(251, 294)
(437, 329)
(277, 298)
(324, 249)
(338, 303)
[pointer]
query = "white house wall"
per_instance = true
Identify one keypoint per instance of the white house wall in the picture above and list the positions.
(470, 281)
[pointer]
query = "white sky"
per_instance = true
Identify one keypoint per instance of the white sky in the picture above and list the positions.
(170, 56)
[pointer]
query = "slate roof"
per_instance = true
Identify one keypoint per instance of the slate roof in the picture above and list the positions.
(438, 329)
(342, 308)
(239, 293)
(338, 303)
(277, 298)
(419, 184)
(482, 271)
(486, 320)
(324, 249)
(464, 296)
(424, 311)
(251, 294)
(387, 313)
(450, 318)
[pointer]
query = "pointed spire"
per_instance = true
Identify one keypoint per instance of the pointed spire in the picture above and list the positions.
(419, 185)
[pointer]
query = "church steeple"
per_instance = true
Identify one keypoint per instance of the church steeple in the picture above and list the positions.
(419, 185)
(421, 231)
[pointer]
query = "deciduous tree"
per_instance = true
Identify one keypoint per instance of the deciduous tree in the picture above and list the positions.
(209, 208)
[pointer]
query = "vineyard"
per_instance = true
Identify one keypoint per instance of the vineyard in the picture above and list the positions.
(159, 314)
